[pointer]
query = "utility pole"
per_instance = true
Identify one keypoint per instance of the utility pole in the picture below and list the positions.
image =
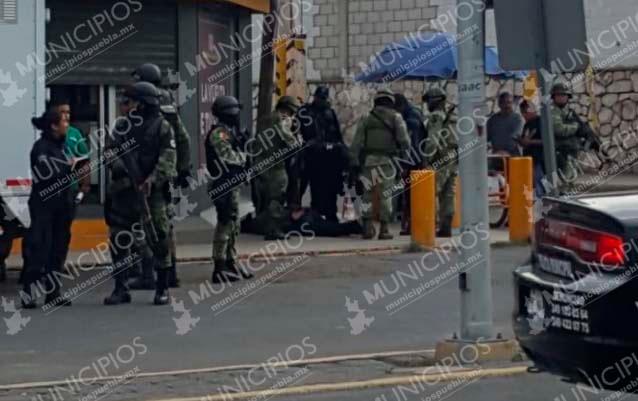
(267, 69)
(474, 282)
(547, 126)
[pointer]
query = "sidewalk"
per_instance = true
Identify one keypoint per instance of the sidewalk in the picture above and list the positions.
(195, 245)
(195, 234)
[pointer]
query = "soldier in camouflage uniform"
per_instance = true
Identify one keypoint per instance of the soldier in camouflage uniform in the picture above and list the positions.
(151, 73)
(441, 154)
(226, 164)
(380, 136)
(140, 175)
(270, 149)
(566, 127)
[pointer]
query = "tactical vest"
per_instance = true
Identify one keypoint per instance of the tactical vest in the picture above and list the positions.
(148, 141)
(380, 133)
(220, 171)
(567, 146)
(326, 125)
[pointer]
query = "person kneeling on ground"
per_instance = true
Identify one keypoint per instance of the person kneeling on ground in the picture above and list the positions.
(310, 222)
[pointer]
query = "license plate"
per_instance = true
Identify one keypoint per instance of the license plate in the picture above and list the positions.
(555, 266)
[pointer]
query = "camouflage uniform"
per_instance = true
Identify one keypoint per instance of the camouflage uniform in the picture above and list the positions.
(123, 214)
(441, 153)
(161, 177)
(153, 157)
(123, 195)
(151, 73)
(567, 146)
(379, 136)
(271, 147)
(226, 203)
(183, 165)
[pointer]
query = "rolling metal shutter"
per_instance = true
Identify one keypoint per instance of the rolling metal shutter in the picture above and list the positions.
(102, 41)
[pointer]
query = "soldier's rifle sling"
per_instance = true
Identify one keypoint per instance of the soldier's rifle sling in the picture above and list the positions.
(391, 128)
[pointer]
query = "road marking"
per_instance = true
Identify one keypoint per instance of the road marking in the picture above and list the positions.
(309, 361)
(358, 385)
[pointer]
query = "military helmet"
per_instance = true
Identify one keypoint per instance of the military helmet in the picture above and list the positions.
(561, 88)
(384, 94)
(145, 92)
(322, 92)
(148, 72)
(434, 93)
(288, 102)
(226, 105)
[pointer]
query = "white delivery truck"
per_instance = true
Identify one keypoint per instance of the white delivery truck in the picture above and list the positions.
(22, 96)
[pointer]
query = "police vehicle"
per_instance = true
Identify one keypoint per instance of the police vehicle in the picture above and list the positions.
(576, 312)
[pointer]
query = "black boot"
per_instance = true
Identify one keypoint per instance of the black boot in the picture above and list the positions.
(3, 272)
(173, 281)
(120, 294)
(55, 299)
(445, 228)
(238, 270)
(145, 281)
(221, 273)
(161, 288)
(26, 298)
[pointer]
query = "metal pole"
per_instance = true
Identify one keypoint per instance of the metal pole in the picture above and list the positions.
(475, 280)
(547, 126)
(547, 133)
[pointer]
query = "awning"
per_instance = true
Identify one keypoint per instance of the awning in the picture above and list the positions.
(256, 5)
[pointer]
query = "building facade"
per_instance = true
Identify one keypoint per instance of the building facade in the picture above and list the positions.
(93, 48)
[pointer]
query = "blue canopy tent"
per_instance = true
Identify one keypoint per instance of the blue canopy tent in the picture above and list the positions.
(426, 55)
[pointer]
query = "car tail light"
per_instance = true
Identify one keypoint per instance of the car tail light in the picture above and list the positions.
(591, 246)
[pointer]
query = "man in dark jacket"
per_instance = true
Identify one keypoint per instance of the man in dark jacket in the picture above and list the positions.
(326, 156)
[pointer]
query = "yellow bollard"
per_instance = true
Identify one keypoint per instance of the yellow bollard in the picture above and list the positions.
(520, 198)
(456, 221)
(423, 207)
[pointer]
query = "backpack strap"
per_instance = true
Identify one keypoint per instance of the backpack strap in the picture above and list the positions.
(392, 129)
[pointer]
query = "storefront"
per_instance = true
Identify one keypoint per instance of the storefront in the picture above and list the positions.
(93, 47)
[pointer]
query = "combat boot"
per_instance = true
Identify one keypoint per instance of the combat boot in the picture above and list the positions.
(55, 299)
(26, 298)
(161, 288)
(445, 228)
(145, 281)
(368, 229)
(238, 270)
(120, 294)
(222, 274)
(384, 232)
(173, 281)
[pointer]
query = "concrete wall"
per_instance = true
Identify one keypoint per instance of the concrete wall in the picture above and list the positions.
(344, 34)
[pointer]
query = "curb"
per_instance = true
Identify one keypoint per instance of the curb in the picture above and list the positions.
(389, 250)
(278, 255)
(301, 362)
(460, 375)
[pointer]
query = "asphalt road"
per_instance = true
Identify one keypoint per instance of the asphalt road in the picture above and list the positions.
(300, 312)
